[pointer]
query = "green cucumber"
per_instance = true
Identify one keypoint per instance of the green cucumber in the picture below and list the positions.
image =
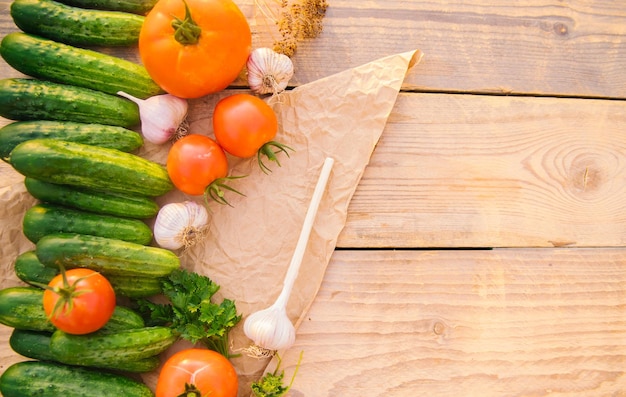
(43, 219)
(29, 269)
(50, 60)
(90, 167)
(36, 345)
(93, 201)
(22, 308)
(47, 379)
(123, 318)
(140, 7)
(106, 349)
(31, 344)
(74, 25)
(110, 257)
(23, 99)
(135, 286)
(109, 136)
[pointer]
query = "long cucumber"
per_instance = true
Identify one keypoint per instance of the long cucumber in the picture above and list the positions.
(117, 204)
(110, 257)
(90, 167)
(76, 25)
(43, 219)
(48, 379)
(113, 137)
(106, 349)
(23, 99)
(50, 60)
(36, 345)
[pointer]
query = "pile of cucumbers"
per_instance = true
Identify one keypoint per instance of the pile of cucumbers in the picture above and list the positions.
(72, 138)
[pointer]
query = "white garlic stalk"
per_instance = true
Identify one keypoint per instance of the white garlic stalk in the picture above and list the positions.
(161, 116)
(180, 225)
(271, 328)
(268, 71)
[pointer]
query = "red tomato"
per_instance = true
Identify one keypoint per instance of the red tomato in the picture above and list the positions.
(194, 162)
(203, 54)
(81, 304)
(203, 371)
(243, 123)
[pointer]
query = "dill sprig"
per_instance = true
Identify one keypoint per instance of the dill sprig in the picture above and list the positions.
(296, 21)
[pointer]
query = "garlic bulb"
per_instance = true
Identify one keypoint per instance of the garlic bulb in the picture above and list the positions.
(271, 328)
(161, 116)
(179, 225)
(268, 71)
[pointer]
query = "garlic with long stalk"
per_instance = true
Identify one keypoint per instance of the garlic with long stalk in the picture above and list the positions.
(271, 328)
(162, 116)
(268, 71)
(180, 225)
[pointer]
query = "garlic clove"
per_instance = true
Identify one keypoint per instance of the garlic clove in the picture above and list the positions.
(180, 225)
(270, 328)
(161, 115)
(268, 71)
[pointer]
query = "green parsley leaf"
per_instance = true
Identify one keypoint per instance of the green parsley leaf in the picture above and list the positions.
(271, 384)
(191, 312)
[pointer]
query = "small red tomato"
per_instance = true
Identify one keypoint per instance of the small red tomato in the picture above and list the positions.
(197, 372)
(194, 162)
(80, 303)
(244, 125)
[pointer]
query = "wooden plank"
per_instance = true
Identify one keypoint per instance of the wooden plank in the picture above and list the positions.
(542, 47)
(573, 48)
(485, 171)
(529, 322)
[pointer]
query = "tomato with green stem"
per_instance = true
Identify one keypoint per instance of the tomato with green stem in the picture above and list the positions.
(79, 301)
(196, 372)
(197, 165)
(193, 48)
(245, 125)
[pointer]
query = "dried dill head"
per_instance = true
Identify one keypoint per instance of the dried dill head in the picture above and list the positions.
(296, 20)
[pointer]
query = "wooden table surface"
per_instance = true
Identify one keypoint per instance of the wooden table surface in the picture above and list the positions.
(484, 252)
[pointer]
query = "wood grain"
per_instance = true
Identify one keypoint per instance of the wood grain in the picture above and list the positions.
(487, 171)
(505, 322)
(553, 47)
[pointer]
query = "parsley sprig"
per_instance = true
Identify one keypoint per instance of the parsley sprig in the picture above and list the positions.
(272, 383)
(192, 312)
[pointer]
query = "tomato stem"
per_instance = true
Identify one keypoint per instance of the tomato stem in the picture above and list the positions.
(67, 293)
(269, 150)
(190, 391)
(215, 190)
(186, 31)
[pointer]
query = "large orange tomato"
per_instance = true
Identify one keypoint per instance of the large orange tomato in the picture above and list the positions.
(197, 372)
(193, 48)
